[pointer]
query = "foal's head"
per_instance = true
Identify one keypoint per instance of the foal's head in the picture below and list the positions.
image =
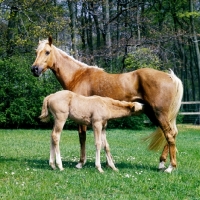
(43, 59)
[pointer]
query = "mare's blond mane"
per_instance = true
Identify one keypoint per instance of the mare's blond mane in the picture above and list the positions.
(42, 44)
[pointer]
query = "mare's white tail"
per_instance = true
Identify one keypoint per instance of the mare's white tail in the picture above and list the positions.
(157, 139)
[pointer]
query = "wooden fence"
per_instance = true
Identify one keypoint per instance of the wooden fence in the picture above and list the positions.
(190, 111)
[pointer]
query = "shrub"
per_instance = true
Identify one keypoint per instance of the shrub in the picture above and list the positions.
(21, 93)
(141, 58)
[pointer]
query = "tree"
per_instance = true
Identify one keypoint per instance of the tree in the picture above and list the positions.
(118, 36)
(72, 11)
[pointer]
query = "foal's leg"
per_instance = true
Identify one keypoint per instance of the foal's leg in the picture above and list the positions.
(55, 149)
(82, 138)
(107, 150)
(97, 127)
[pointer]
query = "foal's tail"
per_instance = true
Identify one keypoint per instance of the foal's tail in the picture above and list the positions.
(157, 139)
(45, 116)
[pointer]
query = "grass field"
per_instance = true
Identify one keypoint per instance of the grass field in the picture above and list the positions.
(25, 173)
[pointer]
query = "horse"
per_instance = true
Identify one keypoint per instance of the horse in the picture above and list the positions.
(160, 92)
(94, 110)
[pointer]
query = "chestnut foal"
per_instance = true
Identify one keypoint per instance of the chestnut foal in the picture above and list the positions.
(94, 110)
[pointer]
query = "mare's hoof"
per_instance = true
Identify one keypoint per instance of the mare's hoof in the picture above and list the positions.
(79, 166)
(169, 169)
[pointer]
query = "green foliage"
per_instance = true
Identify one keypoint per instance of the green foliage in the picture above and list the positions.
(24, 22)
(188, 14)
(133, 122)
(141, 58)
(179, 119)
(21, 94)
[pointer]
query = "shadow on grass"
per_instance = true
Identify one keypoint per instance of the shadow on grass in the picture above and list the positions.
(44, 164)
(39, 163)
(136, 166)
(4, 159)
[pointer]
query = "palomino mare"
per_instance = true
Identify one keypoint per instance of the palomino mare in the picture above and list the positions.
(94, 110)
(160, 92)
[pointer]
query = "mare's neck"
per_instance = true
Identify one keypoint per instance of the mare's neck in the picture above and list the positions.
(65, 67)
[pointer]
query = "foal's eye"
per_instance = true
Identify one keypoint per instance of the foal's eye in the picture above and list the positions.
(47, 53)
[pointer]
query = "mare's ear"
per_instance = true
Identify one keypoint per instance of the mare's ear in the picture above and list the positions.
(50, 40)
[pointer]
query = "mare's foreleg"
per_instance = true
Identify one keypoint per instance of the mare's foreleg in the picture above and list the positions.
(54, 147)
(107, 150)
(82, 138)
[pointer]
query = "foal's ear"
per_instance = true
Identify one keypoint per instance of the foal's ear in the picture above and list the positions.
(50, 40)
(133, 108)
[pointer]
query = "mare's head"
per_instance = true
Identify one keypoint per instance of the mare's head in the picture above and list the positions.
(44, 58)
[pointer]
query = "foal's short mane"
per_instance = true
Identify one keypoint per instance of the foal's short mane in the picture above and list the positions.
(81, 64)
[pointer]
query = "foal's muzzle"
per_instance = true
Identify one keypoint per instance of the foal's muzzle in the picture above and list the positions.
(36, 70)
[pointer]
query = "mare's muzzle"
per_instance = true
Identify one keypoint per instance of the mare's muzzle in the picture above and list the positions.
(36, 70)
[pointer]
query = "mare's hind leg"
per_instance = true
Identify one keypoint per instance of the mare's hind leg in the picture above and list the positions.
(55, 149)
(163, 157)
(107, 150)
(82, 138)
(172, 153)
(170, 131)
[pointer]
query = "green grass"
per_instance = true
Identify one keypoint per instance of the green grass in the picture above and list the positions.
(25, 173)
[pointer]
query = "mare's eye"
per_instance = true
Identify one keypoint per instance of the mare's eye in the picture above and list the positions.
(47, 53)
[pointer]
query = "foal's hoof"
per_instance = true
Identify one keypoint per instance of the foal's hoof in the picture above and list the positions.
(100, 170)
(115, 169)
(53, 167)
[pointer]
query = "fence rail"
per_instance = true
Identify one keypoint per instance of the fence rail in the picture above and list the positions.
(190, 103)
(191, 111)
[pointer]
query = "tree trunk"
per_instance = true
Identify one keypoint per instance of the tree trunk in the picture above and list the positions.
(195, 42)
(107, 33)
(12, 27)
(192, 67)
(138, 23)
(72, 11)
(83, 32)
(107, 28)
(89, 33)
(96, 21)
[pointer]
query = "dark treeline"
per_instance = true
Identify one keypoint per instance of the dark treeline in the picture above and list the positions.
(119, 36)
